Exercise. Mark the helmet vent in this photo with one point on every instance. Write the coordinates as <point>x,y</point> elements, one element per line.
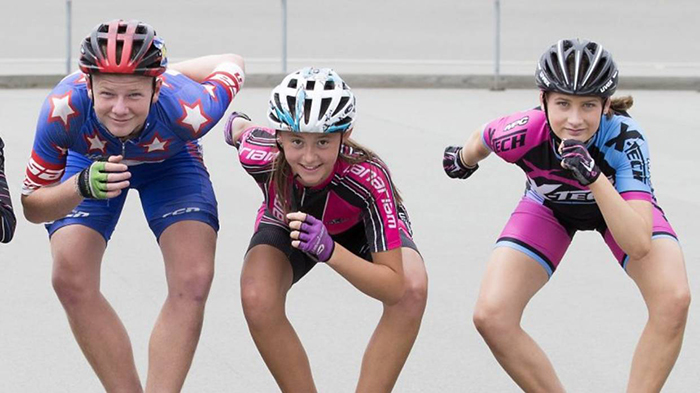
<point>310,85</point>
<point>329,85</point>
<point>341,105</point>
<point>556,69</point>
<point>325,103</point>
<point>291,104</point>
<point>292,84</point>
<point>307,109</point>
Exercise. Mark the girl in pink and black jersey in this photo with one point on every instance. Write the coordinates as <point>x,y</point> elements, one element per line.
<point>329,200</point>
<point>578,134</point>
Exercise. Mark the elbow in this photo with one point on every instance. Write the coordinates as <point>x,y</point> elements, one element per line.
<point>30,213</point>
<point>234,58</point>
<point>33,218</point>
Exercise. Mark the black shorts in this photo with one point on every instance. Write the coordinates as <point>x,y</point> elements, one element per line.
<point>354,240</point>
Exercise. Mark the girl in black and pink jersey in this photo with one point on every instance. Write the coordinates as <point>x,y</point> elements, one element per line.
<point>326,199</point>
<point>8,221</point>
<point>564,146</point>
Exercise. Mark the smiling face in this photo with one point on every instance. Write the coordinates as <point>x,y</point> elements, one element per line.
<point>574,117</point>
<point>122,102</point>
<point>311,156</point>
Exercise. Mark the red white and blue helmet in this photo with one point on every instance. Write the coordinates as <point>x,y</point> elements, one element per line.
<point>312,100</point>
<point>123,47</point>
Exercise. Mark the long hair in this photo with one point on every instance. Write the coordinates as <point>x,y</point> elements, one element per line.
<point>281,177</point>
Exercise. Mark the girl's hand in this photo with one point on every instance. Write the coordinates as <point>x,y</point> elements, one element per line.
<point>311,236</point>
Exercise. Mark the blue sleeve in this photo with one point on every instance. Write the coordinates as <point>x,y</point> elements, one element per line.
<point>191,109</point>
<point>627,152</point>
<point>60,120</point>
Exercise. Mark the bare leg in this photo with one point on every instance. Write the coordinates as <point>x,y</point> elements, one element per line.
<point>188,252</point>
<point>662,280</point>
<point>511,280</point>
<point>77,253</point>
<point>265,280</point>
<point>397,330</point>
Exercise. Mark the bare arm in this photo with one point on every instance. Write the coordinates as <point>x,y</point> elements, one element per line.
<point>51,203</point>
<point>382,279</point>
<point>199,68</point>
<point>54,202</point>
<point>235,127</point>
<point>474,149</point>
<point>630,222</point>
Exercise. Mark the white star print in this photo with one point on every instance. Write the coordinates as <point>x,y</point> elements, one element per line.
<point>62,109</point>
<point>194,117</point>
<point>96,143</point>
<point>210,90</point>
<point>156,144</point>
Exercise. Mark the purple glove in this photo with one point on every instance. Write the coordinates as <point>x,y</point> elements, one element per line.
<point>228,133</point>
<point>315,240</point>
<point>453,165</point>
<point>575,157</point>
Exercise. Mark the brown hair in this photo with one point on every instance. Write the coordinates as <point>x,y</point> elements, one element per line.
<point>281,177</point>
<point>619,104</point>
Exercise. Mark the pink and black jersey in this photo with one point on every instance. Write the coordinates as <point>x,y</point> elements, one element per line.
<point>619,148</point>
<point>185,111</point>
<point>354,194</point>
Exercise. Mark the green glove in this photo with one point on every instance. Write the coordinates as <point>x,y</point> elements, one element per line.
<point>92,181</point>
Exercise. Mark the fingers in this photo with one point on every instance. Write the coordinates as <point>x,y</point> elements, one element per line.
<point>113,186</point>
<point>295,224</point>
<point>296,216</point>
<point>115,167</point>
<point>296,235</point>
<point>115,159</point>
<point>295,243</point>
<point>118,177</point>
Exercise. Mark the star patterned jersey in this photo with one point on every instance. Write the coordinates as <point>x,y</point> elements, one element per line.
<point>185,111</point>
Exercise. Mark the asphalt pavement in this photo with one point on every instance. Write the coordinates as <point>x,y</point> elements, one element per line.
<point>587,318</point>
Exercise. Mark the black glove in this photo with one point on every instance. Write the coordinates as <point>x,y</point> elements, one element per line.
<point>576,158</point>
<point>453,165</point>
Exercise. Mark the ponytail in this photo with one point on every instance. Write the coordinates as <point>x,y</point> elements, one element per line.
<point>620,105</point>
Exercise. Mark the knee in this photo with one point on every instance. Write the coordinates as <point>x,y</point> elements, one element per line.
<point>262,306</point>
<point>192,284</point>
<point>492,321</point>
<point>671,314</point>
<point>412,304</point>
<point>71,285</point>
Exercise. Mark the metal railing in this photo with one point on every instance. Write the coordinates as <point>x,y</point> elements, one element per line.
<point>284,60</point>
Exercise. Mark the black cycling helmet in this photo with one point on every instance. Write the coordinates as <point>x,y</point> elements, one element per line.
<point>577,67</point>
<point>123,47</point>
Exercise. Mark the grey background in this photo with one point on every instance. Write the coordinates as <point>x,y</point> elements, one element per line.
<point>589,316</point>
<point>648,37</point>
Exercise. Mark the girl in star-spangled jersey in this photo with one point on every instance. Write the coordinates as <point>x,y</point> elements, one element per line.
<point>127,121</point>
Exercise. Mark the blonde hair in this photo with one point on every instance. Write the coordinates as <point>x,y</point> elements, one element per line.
<point>281,177</point>
<point>619,105</point>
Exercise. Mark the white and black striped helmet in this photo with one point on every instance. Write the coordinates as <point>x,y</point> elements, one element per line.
<point>577,67</point>
<point>312,100</point>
